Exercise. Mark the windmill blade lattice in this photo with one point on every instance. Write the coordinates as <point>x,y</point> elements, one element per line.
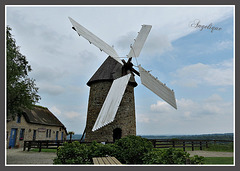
<point>103,46</point>
<point>139,41</point>
<point>157,87</point>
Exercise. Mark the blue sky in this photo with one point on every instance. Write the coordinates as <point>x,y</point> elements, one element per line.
<point>197,65</point>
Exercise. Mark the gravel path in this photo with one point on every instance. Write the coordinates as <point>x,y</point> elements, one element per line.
<point>211,153</point>
<point>20,157</point>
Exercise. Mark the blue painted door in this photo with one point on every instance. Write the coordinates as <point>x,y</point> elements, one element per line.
<point>62,136</point>
<point>13,136</point>
<point>34,135</point>
<point>56,135</point>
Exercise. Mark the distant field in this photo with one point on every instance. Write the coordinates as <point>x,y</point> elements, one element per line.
<point>226,136</point>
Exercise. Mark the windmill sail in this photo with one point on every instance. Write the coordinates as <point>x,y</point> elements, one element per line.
<point>112,102</point>
<point>140,40</point>
<point>103,46</point>
<point>157,87</point>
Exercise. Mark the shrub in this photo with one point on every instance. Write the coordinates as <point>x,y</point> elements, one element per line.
<point>101,150</point>
<point>130,149</point>
<point>76,153</point>
<point>73,153</point>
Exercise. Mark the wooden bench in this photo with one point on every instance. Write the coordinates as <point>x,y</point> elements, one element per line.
<point>106,161</point>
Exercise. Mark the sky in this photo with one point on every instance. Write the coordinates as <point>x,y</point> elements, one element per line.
<point>198,64</point>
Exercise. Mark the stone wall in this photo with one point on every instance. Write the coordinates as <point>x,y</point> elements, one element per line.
<point>41,131</point>
<point>124,119</point>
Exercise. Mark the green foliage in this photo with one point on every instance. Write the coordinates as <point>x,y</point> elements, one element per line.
<point>128,150</point>
<point>131,149</point>
<point>76,153</point>
<point>170,156</point>
<point>102,150</point>
<point>73,153</point>
<point>197,159</point>
<point>21,90</point>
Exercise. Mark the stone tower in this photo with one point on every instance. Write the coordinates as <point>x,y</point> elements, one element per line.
<point>125,122</point>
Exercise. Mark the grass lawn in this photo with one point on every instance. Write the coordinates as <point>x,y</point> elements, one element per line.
<point>218,160</point>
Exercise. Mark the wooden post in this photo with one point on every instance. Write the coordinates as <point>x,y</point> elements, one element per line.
<point>183,145</point>
<point>24,146</point>
<point>154,143</point>
<point>29,145</point>
<point>40,146</point>
<point>206,144</point>
<point>57,144</point>
<point>173,144</point>
<point>192,145</point>
<point>200,145</point>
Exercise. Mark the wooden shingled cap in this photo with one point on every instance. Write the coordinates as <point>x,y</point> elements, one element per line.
<point>109,71</point>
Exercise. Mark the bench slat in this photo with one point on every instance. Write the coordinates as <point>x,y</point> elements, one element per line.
<point>105,161</point>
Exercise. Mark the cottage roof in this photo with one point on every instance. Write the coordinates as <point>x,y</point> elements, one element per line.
<point>41,115</point>
<point>109,71</point>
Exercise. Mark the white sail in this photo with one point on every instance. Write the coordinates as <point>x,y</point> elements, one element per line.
<point>139,42</point>
<point>157,87</point>
<point>103,46</point>
<point>112,102</point>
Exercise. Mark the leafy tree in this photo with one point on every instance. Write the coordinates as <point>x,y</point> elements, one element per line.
<point>21,90</point>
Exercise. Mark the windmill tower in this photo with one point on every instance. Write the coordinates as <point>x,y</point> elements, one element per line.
<point>111,106</point>
<point>124,122</point>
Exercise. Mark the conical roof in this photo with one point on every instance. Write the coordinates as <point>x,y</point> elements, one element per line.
<point>109,71</point>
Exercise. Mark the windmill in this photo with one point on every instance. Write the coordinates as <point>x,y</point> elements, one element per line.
<point>111,108</point>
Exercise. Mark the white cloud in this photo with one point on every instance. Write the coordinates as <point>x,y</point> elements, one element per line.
<point>189,109</point>
<point>55,110</point>
<point>72,114</point>
<point>50,89</point>
<point>225,44</point>
<point>211,74</point>
<point>142,118</point>
<point>161,107</point>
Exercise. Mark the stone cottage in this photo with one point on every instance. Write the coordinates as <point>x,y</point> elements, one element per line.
<point>37,123</point>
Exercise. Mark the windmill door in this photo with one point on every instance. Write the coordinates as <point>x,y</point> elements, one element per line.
<point>13,136</point>
<point>117,134</point>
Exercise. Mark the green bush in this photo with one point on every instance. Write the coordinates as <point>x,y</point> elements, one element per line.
<point>101,150</point>
<point>76,153</point>
<point>73,153</point>
<point>130,149</point>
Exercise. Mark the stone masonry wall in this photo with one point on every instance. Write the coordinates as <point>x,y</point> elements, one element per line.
<point>124,119</point>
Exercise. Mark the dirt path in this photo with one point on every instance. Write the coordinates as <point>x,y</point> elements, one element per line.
<point>211,153</point>
<point>20,157</point>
